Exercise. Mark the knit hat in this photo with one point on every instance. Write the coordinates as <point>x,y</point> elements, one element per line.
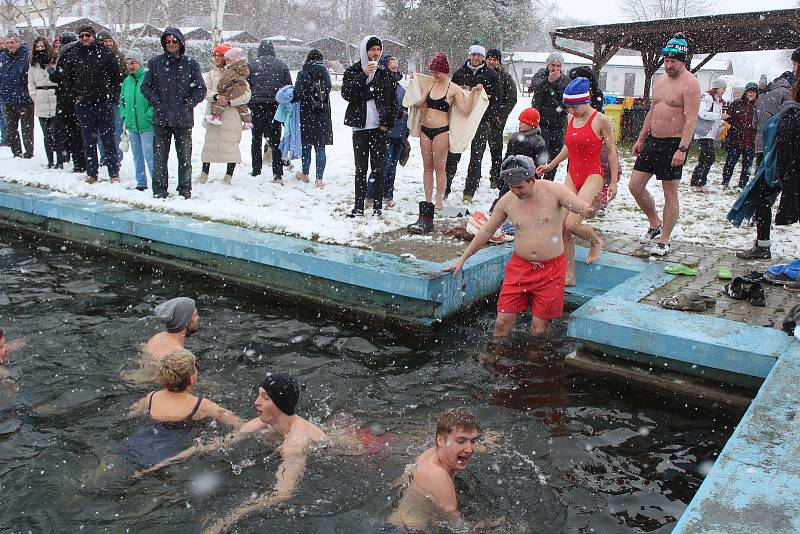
<point>719,83</point>
<point>176,313</point>
<point>220,49</point>
<point>530,116</point>
<point>373,41</point>
<point>86,29</point>
<point>752,86</point>
<point>439,63</point>
<point>763,79</point>
<point>676,48</point>
<point>313,55</point>
<point>495,53</point>
<point>67,37</point>
<point>102,35</point>
<point>477,48</point>
<point>553,57</point>
<point>517,169</point>
<point>796,55</point>
<point>134,54</point>
<point>577,92</point>
<point>233,55</point>
<point>283,390</point>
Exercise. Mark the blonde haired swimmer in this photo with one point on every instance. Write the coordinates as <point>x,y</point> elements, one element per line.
<point>172,413</point>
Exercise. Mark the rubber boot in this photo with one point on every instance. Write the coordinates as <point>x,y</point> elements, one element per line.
<point>424,224</point>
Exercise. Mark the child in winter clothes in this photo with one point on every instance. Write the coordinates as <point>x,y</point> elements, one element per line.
<point>232,85</point>
<point>528,141</point>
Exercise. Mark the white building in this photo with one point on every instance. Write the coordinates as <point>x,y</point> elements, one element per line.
<point>621,76</point>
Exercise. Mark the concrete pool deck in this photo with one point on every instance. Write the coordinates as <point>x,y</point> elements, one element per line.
<point>617,315</point>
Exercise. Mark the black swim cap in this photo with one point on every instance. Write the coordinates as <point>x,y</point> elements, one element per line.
<point>284,390</point>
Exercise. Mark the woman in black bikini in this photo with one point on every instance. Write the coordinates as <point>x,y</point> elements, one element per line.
<point>434,142</point>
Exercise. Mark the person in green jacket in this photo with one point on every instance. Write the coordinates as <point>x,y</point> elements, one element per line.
<point>137,113</point>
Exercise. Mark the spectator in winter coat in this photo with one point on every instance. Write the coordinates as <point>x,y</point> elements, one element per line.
<point>14,93</point>
<point>527,141</point>
<point>43,93</point>
<point>506,103</point>
<point>137,115</point>
<point>547,87</point>
<point>742,135</point>
<point>267,75</point>
<point>312,89</point>
<point>371,111</point>
<point>91,72</point>
<point>222,140</point>
<point>106,39</point>
<point>173,84</point>
<point>67,136</point>
<point>475,71</point>
<point>395,139</point>
<point>768,104</point>
<point>762,195</point>
<point>709,125</point>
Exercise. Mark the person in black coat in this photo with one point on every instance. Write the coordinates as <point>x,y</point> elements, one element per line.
<point>267,75</point>
<point>312,89</point>
<point>15,97</point>
<point>787,146</point>
<point>67,131</point>
<point>91,73</point>
<point>174,85</point>
<point>547,86</point>
<point>506,104</point>
<point>371,111</point>
<point>475,71</point>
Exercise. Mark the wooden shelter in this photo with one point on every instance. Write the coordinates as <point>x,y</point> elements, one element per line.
<point>712,34</point>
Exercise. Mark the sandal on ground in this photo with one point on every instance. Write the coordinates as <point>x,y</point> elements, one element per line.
<point>681,302</point>
<point>709,302</point>
<point>680,268</point>
<point>724,273</point>
<point>755,295</point>
<point>735,289</point>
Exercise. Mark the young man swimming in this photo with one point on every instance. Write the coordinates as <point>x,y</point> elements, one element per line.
<point>180,317</point>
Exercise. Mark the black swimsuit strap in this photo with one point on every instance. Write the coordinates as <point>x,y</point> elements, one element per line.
<point>150,402</point>
<point>194,410</point>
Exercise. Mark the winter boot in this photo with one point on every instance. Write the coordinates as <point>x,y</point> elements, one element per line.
<point>424,224</point>
<point>227,179</point>
<point>202,177</point>
<point>756,252</point>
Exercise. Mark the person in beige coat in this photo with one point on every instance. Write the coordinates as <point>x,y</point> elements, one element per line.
<point>43,92</point>
<point>222,141</point>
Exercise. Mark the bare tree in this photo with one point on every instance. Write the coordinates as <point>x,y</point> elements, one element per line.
<point>664,9</point>
<point>29,10</point>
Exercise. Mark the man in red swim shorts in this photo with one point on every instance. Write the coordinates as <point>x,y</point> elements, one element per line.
<point>536,272</point>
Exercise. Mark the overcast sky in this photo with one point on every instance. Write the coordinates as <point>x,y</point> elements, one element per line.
<point>747,66</point>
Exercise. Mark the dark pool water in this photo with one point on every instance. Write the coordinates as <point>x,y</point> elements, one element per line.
<point>578,453</point>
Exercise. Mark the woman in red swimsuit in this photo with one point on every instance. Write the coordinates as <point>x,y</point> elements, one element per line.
<point>586,132</point>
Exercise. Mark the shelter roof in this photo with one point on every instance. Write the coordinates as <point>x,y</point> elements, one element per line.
<point>616,61</point>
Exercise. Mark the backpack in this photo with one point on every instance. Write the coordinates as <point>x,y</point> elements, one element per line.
<point>320,99</point>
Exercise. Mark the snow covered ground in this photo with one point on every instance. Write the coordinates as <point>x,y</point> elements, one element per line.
<point>301,210</point>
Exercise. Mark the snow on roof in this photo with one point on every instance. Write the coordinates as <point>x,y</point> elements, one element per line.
<point>45,22</point>
<point>277,38</point>
<point>721,65</point>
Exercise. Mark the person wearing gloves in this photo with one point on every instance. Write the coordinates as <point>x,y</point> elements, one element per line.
<point>179,316</point>
<point>371,112</point>
<point>43,93</point>
<point>709,124</point>
<point>137,115</point>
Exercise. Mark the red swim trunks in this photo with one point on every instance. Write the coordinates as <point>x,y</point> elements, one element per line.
<point>542,281</point>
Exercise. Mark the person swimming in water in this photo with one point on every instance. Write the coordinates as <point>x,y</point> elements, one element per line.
<point>172,414</point>
<point>429,495</point>
<point>181,319</point>
<point>276,402</point>
<point>6,348</point>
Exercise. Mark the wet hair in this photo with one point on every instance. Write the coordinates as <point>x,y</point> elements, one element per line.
<point>453,418</point>
<point>175,370</point>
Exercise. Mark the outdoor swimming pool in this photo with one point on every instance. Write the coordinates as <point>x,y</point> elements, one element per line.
<point>578,453</point>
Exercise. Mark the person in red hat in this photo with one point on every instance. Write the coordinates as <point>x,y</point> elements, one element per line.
<point>527,141</point>
<point>434,141</point>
